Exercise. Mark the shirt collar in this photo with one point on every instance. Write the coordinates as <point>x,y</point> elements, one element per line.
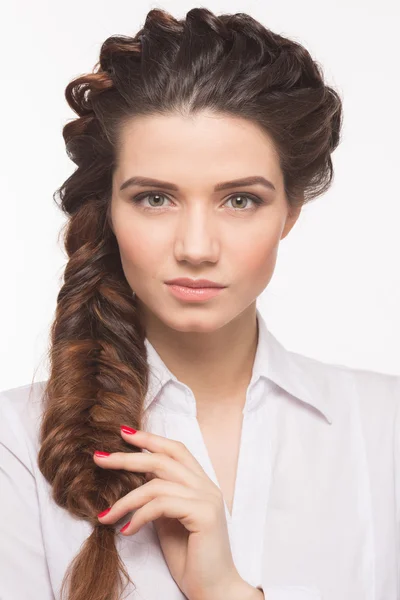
<point>288,370</point>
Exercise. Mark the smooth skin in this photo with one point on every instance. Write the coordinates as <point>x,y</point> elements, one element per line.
<point>188,513</point>
<point>198,232</point>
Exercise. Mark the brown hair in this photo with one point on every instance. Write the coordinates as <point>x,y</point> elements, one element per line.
<point>98,363</point>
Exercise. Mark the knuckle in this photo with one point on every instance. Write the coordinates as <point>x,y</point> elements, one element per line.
<point>153,485</point>
<point>181,446</point>
<point>159,501</point>
<point>161,461</point>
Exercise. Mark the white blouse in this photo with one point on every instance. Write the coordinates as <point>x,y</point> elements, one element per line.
<point>316,511</point>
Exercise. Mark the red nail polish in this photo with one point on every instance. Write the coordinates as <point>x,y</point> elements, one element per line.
<point>127,429</point>
<point>124,527</point>
<point>104,513</point>
<point>102,454</point>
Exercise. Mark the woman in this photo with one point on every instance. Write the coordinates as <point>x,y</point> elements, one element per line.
<point>242,470</point>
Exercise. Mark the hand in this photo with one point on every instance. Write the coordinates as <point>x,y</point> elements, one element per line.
<point>188,513</point>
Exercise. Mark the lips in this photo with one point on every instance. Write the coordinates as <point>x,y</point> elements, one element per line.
<point>194,283</point>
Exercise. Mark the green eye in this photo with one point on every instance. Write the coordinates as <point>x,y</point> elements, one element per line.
<point>254,199</point>
<point>145,195</point>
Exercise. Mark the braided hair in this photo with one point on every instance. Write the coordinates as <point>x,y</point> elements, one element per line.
<point>98,364</point>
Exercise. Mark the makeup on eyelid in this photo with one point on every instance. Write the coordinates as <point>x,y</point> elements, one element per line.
<point>255,199</point>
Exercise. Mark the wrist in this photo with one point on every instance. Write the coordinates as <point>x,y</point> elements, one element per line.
<point>242,590</point>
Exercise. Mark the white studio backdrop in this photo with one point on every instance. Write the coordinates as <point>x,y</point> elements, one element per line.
<point>335,293</point>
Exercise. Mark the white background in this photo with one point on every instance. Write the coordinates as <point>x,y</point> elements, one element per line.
<point>335,293</point>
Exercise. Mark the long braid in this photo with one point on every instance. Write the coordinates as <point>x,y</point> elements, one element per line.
<point>97,381</point>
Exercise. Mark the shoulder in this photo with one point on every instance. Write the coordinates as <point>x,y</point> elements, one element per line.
<point>364,380</point>
<point>21,410</point>
<point>375,395</point>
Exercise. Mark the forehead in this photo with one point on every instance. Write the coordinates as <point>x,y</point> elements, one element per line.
<point>207,144</point>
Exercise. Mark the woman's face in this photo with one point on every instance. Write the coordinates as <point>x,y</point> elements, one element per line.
<point>195,230</point>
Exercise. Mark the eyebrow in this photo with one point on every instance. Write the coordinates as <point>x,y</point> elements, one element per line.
<point>150,182</point>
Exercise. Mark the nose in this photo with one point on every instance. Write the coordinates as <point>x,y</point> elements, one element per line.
<point>196,238</point>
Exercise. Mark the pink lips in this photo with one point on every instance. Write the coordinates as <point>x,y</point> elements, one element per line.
<point>194,283</point>
<point>190,294</point>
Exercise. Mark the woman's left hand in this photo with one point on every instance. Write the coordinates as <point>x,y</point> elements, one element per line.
<point>188,513</point>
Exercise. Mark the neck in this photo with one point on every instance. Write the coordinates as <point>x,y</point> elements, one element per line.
<point>216,365</point>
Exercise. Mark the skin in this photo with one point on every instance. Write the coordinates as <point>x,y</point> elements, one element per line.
<point>210,346</point>
<point>196,232</point>
<point>188,514</point>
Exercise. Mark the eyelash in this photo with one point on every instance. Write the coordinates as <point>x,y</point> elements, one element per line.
<point>136,199</point>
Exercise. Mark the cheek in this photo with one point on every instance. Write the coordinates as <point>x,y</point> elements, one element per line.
<point>256,262</point>
<point>259,254</point>
<point>134,237</point>
<point>133,249</point>
<point>139,253</point>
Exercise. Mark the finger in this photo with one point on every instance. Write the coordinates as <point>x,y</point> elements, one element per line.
<point>195,515</point>
<point>145,493</point>
<point>160,465</point>
<point>157,443</point>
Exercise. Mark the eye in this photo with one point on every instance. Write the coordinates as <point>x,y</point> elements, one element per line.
<point>140,197</point>
<point>158,199</point>
<point>255,199</point>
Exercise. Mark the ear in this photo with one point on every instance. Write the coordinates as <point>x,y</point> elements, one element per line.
<point>292,216</point>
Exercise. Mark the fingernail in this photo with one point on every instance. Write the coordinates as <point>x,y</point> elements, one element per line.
<point>124,527</point>
<point>101,454</point>
<point>126,429</point>
<point>104,513</point>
